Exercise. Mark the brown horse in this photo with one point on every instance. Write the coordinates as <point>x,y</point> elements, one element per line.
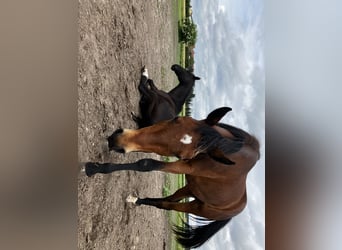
<point>215,157</point>
<point>157,105</point>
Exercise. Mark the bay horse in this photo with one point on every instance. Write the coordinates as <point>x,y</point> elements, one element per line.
<point>214,157</point>
<point>156,105</point>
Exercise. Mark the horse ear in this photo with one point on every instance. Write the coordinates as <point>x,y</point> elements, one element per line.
<point>215,116</point>
<point>197,78</point>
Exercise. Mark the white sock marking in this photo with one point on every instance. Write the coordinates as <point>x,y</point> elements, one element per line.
<point>186,139</point>
<point>131,199</point>
<point>145,72</point>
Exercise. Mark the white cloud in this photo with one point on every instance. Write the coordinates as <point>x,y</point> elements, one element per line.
<point>229,60</point>
<point>221,8</point>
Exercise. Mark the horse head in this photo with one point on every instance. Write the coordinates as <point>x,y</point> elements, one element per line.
<point>183,75</point>
<point>183,137</point>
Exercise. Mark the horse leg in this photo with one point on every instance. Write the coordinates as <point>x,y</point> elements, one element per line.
<point>143,89</point>
<point>143,165</point>
<point>145,99</point>
<point>152,86</point>
<point>161,203</point>
<point>180,194</point>
<point>195,207</point>
<point>147,165</point>
<point>145,92</point>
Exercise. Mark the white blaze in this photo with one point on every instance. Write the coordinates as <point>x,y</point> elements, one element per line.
<point>186,139</point>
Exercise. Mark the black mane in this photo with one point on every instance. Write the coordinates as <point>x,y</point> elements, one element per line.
<point>213,140</point>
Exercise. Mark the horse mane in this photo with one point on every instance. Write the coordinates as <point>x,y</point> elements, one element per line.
<point>239,133</point>
<point>211,139</point>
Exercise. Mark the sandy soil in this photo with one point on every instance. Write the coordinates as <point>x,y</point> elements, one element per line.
<point>116,38</point>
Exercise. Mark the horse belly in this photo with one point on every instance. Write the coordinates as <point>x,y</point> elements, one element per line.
<point>162,112</point>
<point>212,192</point>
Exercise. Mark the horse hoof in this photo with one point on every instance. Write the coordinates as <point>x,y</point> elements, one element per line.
<point>131,199</point>
<point>90,169</point>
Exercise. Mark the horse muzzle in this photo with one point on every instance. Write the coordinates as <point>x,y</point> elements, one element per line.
<point>113,141</point>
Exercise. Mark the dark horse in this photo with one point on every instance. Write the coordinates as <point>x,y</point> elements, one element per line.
<point>157,105</point>
<point>215,158</point>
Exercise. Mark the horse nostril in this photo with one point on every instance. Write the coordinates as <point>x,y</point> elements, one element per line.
<point>118,131</point>
<point>115,134</point>
<point>174,67</point>
<point>110,141</point>
<point>113,141</point>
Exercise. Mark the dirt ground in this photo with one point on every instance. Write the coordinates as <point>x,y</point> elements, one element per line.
<point>116,38</point>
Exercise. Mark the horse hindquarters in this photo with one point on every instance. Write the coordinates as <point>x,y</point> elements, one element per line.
<point>189,236</point>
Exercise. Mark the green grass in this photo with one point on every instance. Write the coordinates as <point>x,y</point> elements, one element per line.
<point>174,182</point>
<point>181,46</point>
<point>163,73</point>
<point>182,55</point>
<point>181,9</point>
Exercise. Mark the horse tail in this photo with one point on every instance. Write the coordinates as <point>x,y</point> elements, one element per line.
<point>193,237</point>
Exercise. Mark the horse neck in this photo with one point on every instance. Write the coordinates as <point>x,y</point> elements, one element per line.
<point>180,93</point>
<point>165,97</point>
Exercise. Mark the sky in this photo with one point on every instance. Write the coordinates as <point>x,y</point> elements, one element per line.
<point>230,61</point>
